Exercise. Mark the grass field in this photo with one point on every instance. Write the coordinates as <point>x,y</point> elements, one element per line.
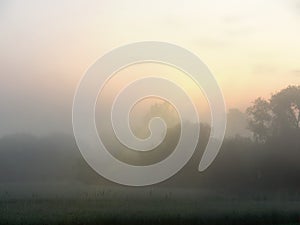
<point>146,212</point>
<point>144,206</point>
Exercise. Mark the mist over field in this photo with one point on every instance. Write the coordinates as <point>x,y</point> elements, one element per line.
<point>260,152</point>
<point>255,175</point>
<point>251,48</point>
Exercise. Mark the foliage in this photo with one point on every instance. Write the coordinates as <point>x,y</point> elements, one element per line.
<point>277,116</point>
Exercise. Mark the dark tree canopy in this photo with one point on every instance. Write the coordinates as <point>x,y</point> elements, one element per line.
<point>259,119</point>
<point>277,116</point>
<point>285,106</point>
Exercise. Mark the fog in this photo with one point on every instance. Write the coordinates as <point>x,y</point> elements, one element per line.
<point>252,49</point>
<point>265,161</point>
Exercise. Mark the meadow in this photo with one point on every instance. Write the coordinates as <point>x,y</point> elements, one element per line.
<point>91,205</point>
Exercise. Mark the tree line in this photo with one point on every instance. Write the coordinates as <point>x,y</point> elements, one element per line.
<point>269,160</point>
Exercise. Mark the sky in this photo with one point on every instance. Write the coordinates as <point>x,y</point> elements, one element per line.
<point>251,47</point>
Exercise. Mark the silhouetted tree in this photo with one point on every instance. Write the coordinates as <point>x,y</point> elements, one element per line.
<point>276,117</point>
<point>285,106</point>
<point>259,119</point>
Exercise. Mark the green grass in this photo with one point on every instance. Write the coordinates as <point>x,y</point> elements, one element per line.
<point>158,211</point>
<point>90,205</point>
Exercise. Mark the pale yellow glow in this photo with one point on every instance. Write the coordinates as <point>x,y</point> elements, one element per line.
<point>252,47</point>
<point>143,70</point>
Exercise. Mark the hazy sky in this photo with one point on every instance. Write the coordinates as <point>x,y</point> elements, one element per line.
<point>252,47</point>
